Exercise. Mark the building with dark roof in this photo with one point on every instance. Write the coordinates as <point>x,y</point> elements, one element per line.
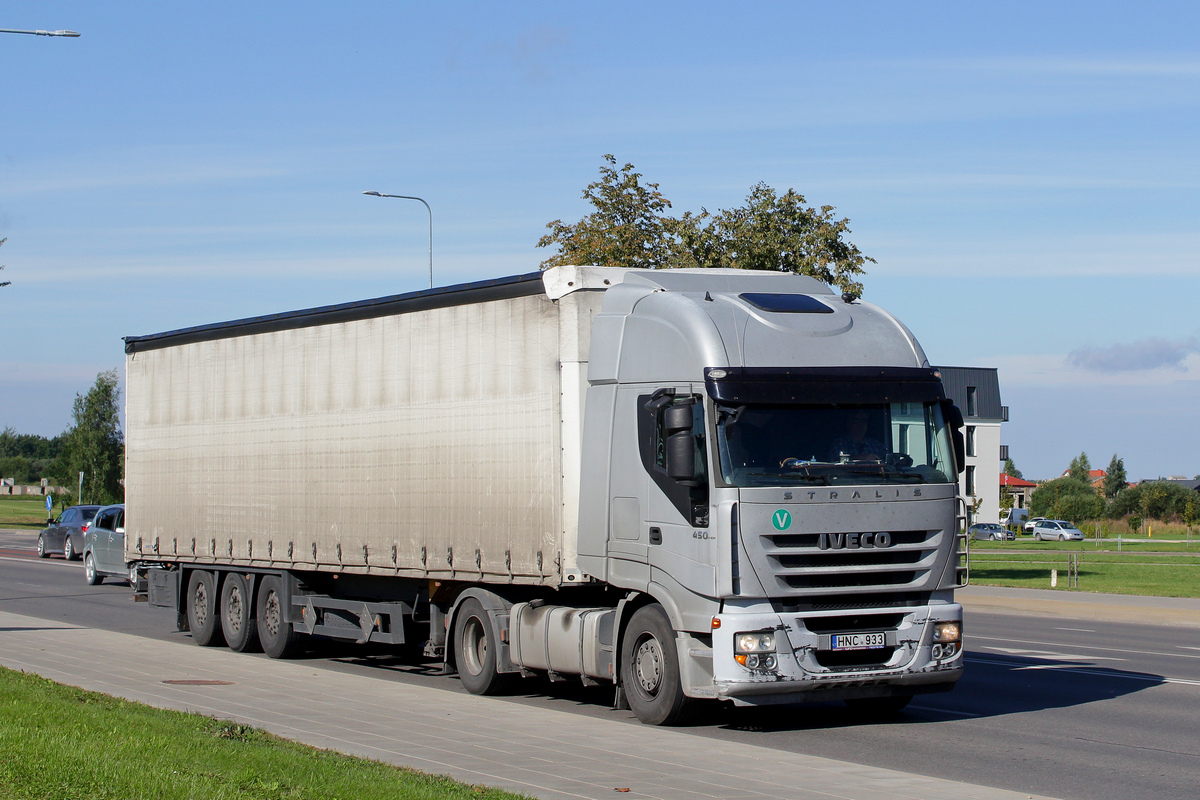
<point>976,392</point>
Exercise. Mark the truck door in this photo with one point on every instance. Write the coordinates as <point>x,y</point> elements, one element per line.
<point>673,446</point>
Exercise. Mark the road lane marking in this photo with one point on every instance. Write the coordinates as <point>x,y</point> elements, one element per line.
<point>1133,676</point>
<point>1090,647</point>
<point>1054,654</point>
<point>1080,630</point>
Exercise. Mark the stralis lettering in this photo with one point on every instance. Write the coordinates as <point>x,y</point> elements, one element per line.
<point>853,541</point>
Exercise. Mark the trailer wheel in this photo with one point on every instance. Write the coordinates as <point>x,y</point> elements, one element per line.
<point>275,633</point>
<point>202,609</point>
<point>650,669</point>
<point>475,650</point>
<point>238,621</point>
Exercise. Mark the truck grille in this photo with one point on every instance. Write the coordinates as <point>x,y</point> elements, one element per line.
<point>799,564</point>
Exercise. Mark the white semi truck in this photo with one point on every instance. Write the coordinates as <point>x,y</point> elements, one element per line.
<point>689,484</point>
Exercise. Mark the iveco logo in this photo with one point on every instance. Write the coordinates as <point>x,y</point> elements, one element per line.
<point>853,541</point>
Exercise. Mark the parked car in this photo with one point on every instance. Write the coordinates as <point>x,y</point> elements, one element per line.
<point>990,531</point>
<point>1029,526</point>
<point>1056,530</point>
<point>65,533</point>
<point>104,548</point>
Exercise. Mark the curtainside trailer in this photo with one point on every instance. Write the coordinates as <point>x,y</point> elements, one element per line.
<point>687,484</point>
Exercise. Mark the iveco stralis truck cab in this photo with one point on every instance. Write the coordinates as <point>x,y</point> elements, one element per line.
<point>781,469</point>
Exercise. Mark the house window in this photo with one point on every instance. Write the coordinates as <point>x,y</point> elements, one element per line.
<point>972,407</point>
<point>970,488</point>
<point>970,440</point>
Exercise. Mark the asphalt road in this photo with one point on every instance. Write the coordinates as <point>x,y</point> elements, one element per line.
<point>1064,708</point>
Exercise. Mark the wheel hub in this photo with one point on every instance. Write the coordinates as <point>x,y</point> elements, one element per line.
<point>648,665</point>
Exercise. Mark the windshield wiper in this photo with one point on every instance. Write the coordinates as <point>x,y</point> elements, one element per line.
<point>906,477</point>
<point>792,476</point>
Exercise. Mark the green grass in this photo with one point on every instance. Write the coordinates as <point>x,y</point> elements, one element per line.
<point>62,743</point>
<point>1141,572</point>
<point>23,511</point>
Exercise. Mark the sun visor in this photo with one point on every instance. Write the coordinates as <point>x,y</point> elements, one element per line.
<point>823,385</point>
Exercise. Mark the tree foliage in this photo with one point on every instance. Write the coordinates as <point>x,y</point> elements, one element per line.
<point>1115,480</point>
<point>1081,468</point>
<point>775,232</point>
<point>94,444</point>
<point>1011,470</point>
<point>1162,500</point>
<point>1066,498</point>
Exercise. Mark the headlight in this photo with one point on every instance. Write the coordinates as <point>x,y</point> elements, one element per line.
<point>755,642</point>
<point>755,650</point>
<point>947,631</point>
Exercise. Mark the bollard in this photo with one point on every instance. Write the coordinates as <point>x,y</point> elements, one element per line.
<point>1053,579</point>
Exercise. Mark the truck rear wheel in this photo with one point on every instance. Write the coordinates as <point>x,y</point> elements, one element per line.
<point>475,650</point>
<point>275,633</point>
<point>238,621</point>
<point>202,609</point>
<point>650,669</point>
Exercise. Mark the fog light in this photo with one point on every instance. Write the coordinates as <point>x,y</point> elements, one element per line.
<point>947,631</point>
<point>769,661</point>
<point>752,661</point>
<point>936,652</point>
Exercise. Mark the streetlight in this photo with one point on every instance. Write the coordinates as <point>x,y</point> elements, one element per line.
<point>428,209</point>
<point>69,34</point>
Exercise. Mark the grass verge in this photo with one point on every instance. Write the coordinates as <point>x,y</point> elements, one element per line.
<point>62,743</point>
<point>23,511</point>
<point>1144,573</point>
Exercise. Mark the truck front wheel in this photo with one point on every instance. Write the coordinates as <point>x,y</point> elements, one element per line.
<point>238,621</point>
<point>202,609</point>
<point>277,636</point>
<point>650,669</point>
<point>475,650</point>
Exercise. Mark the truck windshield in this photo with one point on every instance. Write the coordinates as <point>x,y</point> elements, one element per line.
<point>891,443</point>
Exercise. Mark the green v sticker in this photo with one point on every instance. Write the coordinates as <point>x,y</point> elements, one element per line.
<point>781,519</point>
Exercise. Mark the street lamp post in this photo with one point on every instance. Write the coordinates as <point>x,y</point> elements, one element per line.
<point>429,210</point>
<point>69,34</point>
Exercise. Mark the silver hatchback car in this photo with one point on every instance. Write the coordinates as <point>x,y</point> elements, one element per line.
<point>1056,530</point>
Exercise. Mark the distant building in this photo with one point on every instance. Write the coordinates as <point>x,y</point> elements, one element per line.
<point>976,392</point>
<point>1095,478</point>
<point>1018,488</point>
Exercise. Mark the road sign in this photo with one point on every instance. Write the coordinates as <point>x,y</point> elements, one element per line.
<point>49,503</point>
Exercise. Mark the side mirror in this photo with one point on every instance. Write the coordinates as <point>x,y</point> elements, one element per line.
<point>954,419</point>
<point>681,444</point>
<point>681,457</point>
<point>120,531</point>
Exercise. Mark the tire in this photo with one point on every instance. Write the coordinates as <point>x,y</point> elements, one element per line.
<point>92,577</point>
<point>1062,537</point>
<point>238,621</point>
<point>880,706</point>
<point>650,669</point>
<point>475,650</point>
<point>68,549</point>
<point>202,609</point>
<point>41,547</point>
<point>276,635</point>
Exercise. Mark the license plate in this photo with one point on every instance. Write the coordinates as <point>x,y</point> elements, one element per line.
<point>857,641</point>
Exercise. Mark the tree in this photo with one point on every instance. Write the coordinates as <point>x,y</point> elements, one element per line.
<point>94,444</point>
<point>774,232</point>
<point>1011,470</point>
<point>1066,498</point>
<point>1116,479</point>
<point>1081,468</point>
<point>625,230</point>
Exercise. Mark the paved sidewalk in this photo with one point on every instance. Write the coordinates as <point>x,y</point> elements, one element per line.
<point>1081,605</point>
<point>542,753</point>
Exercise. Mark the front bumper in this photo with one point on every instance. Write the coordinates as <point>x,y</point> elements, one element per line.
<point>809,670</point>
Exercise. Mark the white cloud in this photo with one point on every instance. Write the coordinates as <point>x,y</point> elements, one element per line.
<point>1057,370</point>
<point>1144,355</point>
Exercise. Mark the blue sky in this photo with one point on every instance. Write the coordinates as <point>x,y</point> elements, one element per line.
<point>1026,175</point>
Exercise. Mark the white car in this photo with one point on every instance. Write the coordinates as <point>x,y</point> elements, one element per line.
<point>1056,530</point>
<point>1029,525</point>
